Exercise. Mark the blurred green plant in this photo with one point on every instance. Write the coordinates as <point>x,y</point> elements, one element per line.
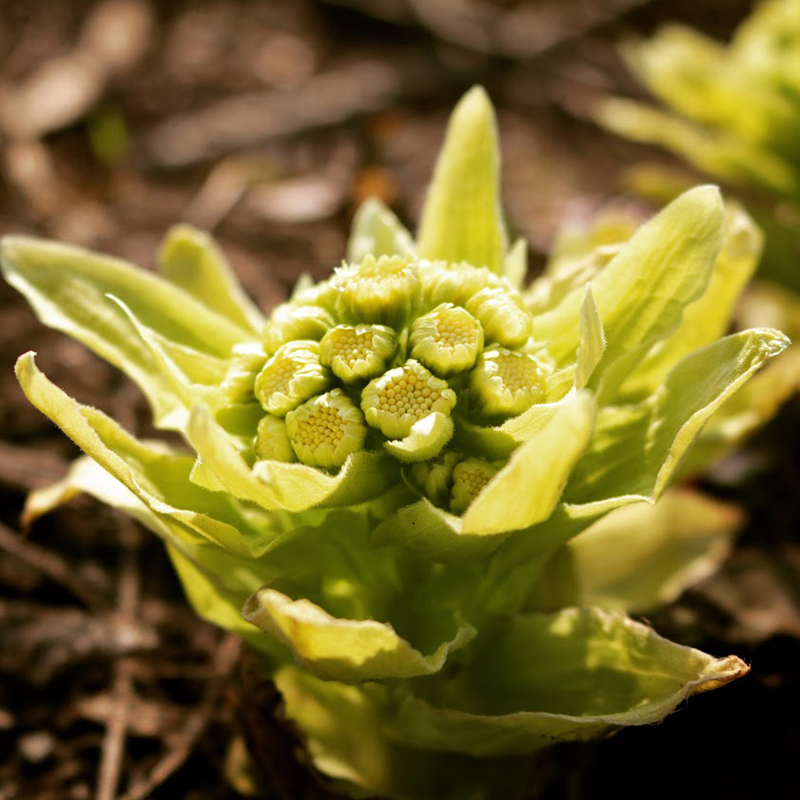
<point>734,114</point>
<point>399,483</point>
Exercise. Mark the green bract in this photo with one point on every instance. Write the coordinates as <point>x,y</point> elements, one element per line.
<point>388,478</point>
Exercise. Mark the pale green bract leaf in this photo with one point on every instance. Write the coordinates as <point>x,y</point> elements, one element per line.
<point>462,220</point>
<point>500,441</point>
<point>190,258</point>
<point>636,449</point>
<point>695,75</point>
<point>377,231</point>
<point>516,265</point>
<point>68,288</point>
<point>426,439</point>
<point>345,649</point>
<point>527,488</point>
<point>525,491</point>
<point>591,340</point>
<point>551,694</point>
<point>642,556</point>
<point>276,485</point>
<point>642,292</point>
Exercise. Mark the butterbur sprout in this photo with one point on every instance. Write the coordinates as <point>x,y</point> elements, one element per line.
<point>387,482</point>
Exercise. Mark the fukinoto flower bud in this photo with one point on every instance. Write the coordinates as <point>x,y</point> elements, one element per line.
<point>290,322</point>
<point>502,314</point>
<point>357,352</point>
<point>272,441</point>
<point>291,376</point>
<point>505,382</point>
<point>447,340</point>
<point>403,396</point>
<point>434,478</point>
<point>447,282</point>
<point>383,291</point>
<point>469,477</point>
<point>327,429</point>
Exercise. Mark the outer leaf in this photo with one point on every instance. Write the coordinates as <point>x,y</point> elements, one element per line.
<point>276,485</point>
<point>345,649</point>
<point>68,289</point>
<point>578,674</point>
<point>157,475</point>
<point>190,258</point>
<point>462,220</point>
<point>377,231</point>
<point>364,763</point>
<point>745,412</point>
<point>636,449</point>
<point>642,292</point>
<point>707,318</point>
<point>215,581</point>
<point>641,556</point>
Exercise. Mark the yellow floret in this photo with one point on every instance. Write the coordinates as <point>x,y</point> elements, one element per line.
<point>403,396</point>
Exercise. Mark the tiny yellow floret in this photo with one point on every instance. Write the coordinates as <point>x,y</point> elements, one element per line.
<point>469,478</point>
<point>447,340</point>
<point>401,397</point>
<point>290,377</point>
<point>272,441</point>
<point>357,352</point>
<point>384,291</point>
<point>325,430</point>
<point>506,382</point>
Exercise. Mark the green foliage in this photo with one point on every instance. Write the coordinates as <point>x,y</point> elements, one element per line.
<point>734,113</point>
<point>402,534</point>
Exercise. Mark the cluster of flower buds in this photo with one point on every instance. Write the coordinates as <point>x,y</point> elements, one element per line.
<point>392,353</point>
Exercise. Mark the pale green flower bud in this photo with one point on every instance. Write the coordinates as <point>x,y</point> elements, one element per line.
<point>469,477</point>
<point>403,396</point>
<point>357,352</point>
<point>444,282</point>
<point>290,377</point>
<point>290,322</point>
<point>325,430</point>
<point>506,382</point>
<point>502,314</point>
<point>385,291</point>
<point>272,441</point>
<point>247,360</point>
<point>434,478</point>
<point>447,341</point>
